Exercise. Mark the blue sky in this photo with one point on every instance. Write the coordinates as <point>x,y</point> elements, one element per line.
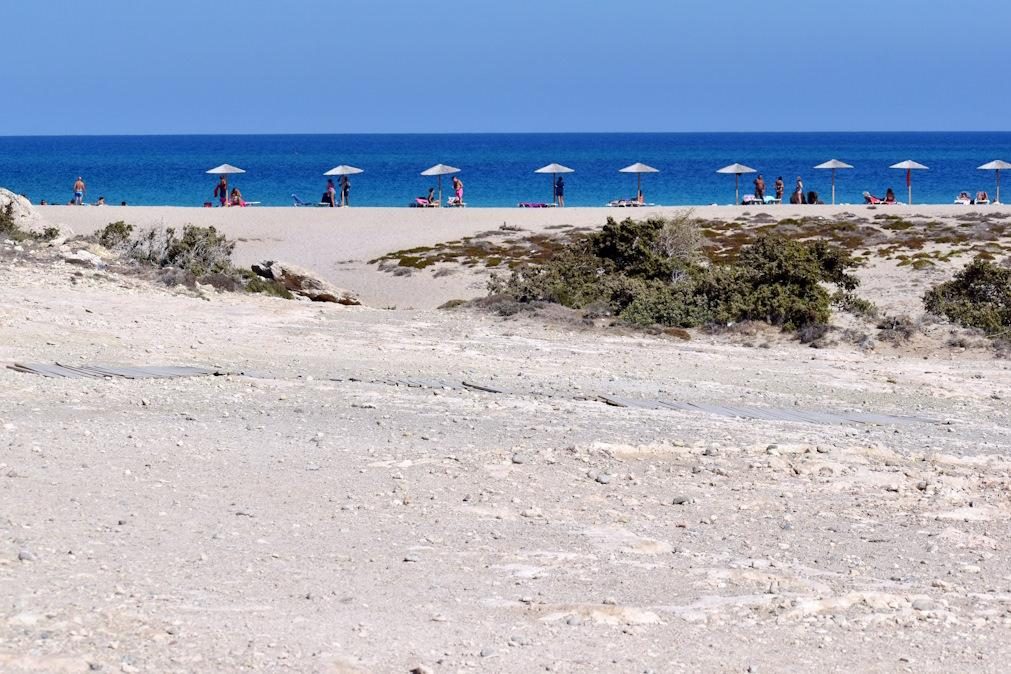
<point>326,66</point>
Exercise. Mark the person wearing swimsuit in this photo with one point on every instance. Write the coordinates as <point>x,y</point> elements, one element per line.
<point>221,191</point>
<point>79,190</point>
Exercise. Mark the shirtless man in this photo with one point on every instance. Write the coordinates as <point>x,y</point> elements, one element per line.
<point>79,190</point>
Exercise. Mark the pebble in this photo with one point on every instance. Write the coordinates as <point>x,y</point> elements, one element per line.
<point>487,652</point>
<point>574,620</point>
<point>519,459</point>
<point>603,478</point>
<point>422,669</point>
<point>26,556</point>
<point>411,558</point>
<point>924,605</point>
<point>680,500</point>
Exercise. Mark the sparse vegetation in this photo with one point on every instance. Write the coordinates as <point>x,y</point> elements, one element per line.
<point>897,329</point>
<point>115,234</point>
<point>979,296</point>
<point>651,273</point>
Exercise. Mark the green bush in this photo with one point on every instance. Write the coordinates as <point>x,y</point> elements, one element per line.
<point>649,273</point>
<point>979,296</point>
<point>115,234</point>
<point>8,228</point>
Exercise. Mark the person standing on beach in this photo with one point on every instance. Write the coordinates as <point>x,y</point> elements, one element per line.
<point>345,191</point>
<point>560,192</point>
<point>760,187</point>
<point>221,190</point>
<point>780,188</point>
<point>798,193</point>
<point>330,196</point>
<point>79,190</point>
<point>458,188</point>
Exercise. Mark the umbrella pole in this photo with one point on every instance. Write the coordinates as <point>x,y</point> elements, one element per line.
<point>833,187</point>
<point>639,190</point>
<point>998,186</point>
<point>737,188</point>
<point>440,190</point>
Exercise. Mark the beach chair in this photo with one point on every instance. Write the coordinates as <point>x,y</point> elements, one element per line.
<point>304,204</point>
<point>871,199</point>
<point>455,202</point>
<point>422,202</point>
<point>773,200</point>
<point>535,204</point>
<point>982,199</point>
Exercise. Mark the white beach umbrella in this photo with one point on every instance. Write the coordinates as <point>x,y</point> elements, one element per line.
<point>225,170</point>
<point>554,170</point>
<point>440,170</point>
<point>343,170</point>
<point>909,165</point>
<point>997,166</point>
<point>639,168</point>
<point>737,170</point>
<point>833,164</point>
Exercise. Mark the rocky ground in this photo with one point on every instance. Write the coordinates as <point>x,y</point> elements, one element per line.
<point>314,515</point>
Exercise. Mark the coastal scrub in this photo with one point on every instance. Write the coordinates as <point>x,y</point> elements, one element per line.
<point>651,272</point>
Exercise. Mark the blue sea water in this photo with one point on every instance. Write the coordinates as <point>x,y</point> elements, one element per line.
<point>497,169</point>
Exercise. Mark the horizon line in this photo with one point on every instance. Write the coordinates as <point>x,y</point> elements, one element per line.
<point>485,133</point>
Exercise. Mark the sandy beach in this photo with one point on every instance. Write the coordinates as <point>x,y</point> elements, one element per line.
<point>338,243</point>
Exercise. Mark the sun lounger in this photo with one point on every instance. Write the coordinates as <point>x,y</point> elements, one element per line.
<point>455,202</point>
<point>963,198</point>
<point>533,204</point>
<point>422,202</point>
<point>871,199</point>
<point>627,203</point>
<point>303,204</point>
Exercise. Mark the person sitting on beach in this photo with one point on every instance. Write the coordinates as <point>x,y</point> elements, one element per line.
<point>221,191</point>
<point>760,188</point>
<point>780,188</point>
<point>236,198</point>
<point>639,199</point>
<point>43,203</point>
<point>889,196</point>
<point>431,197</point>
<point>812,198</point>
<point>330,196</point>
<point>100,202</point>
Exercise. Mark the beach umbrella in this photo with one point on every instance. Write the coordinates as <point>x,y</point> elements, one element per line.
<point>554,170</point>
<point>343,170</point>
<point>833,164</point>
<point>225,170</point>
<point>440,170</point>
<point>737,170</point>
<point>638,168</point>
<point>997,166</point>
<point>909,165</point>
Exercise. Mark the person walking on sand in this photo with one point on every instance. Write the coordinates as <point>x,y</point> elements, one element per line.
<point>458,188</point>
<point>560,192</point>
<point>760,188</point>
<point>345,184</point>
<point>79,190</point>
<point>221,191</point>
<point>780,188</point>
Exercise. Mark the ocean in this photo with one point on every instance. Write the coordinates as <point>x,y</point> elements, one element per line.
<point>497,169</point>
